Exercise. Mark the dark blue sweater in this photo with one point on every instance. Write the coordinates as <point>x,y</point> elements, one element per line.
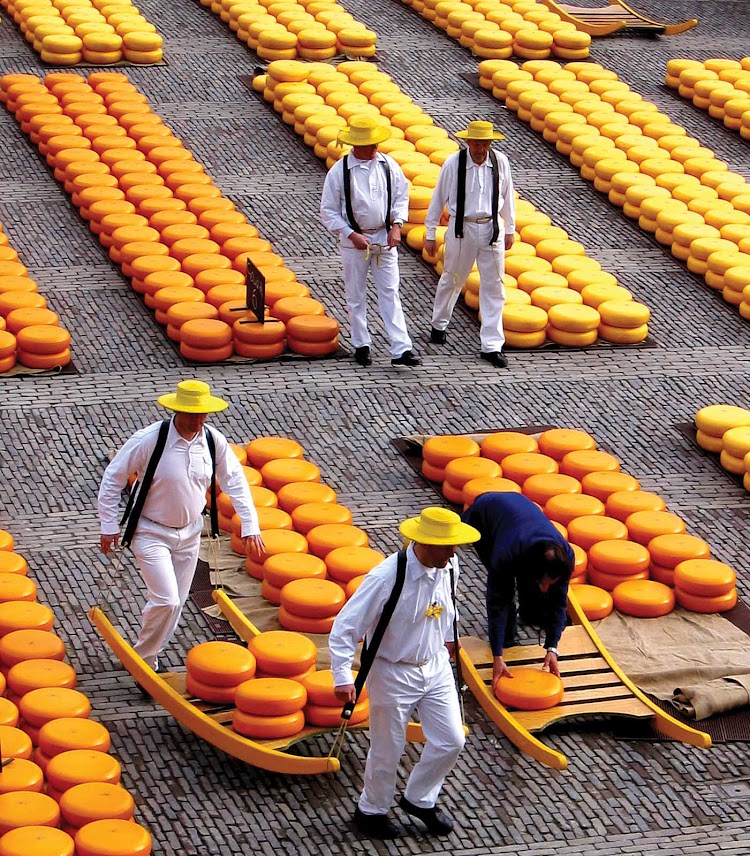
<point>510,524</point>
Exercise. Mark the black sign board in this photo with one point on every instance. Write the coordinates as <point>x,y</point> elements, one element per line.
<point>256,294</point>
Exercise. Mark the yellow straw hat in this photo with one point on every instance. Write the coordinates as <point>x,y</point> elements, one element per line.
<point>480,131</point>
<point>438,526</point>
<point>192,396</point>
<point>362,131</point>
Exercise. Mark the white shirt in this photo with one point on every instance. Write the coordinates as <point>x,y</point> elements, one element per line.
<point>478,193</point>
<point>369,195</point>
<point>411,636</point>
<point>177,495</point>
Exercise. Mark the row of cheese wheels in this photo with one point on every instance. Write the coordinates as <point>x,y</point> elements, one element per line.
<point>286,29</point>
<point>553,290</point>
<point>30,332</point>
<point>273,684</point>
<point>676,188</point>
<point>724,429</point>
<point>100,32</point>
<point>495,30</point>
<point>182,244</point>
<point>720,86</point>
<point>62,793</point>
<point>618,532</point>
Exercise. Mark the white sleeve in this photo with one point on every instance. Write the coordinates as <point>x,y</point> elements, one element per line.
<point>232,481</point>
<point>331,201</point>
<point>400,192</point>
<point>133,457</point>
<point>439,199</point>
<point>508,208</point>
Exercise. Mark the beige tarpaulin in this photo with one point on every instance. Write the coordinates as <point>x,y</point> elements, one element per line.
<point>700,663</point>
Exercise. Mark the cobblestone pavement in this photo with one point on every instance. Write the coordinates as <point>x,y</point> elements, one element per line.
<point>618,796</point>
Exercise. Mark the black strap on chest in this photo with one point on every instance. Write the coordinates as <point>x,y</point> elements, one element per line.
<point>214,513</point>
<point>456,641</point>
<point>461,194</point>
<point>370,649</point>
<point>348,195</point>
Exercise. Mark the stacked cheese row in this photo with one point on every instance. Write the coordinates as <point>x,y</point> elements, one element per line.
<point>725,430</point>
<point>676,189</point>
<point>495,30</point>
<point>287,29</point>
<point>554,290</point>
<point>100,32</point>
<point>179,240</point>
<point>62,791</point>
<point>619,533</point>
<point>719,86</point>
<point>30,332</point>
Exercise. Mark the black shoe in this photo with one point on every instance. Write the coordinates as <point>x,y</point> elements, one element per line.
<point>406,359</point>
<point>495,358</point>
<point>375,825</point>
<point>438,337</point>
<point>362,356</point>
<point>436,821</point>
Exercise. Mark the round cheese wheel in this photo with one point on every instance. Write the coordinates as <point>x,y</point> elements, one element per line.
<point>716,419</point>
<point>26,808</point>
<point>670,550</point>
<point>330,717</point>
<point>566,507</point>
<point>704,578</point>
<point>643,526</point>
<point>209,692</point>
<point>304,624</point>
<point>23,645</point>
<point>461,470</point>
<point>581,462</point>
<point>346,563</point>
<point>643,598</point>
<point>220,664</point>
<point>268,727</point>
<point>283,653</point>
<point>557,442</point>
<point>529,689</point>
<point>499,445</point>
<point>589,529</point>
<point>312,598</point>
<point>476,487</point>
<point>92,801</point>
<point>270,697</point>
<point>518,467</point>
<point>603,484</point>
<point>542,487</point>
<point>595,602</point>
<point>22,775</point>
<point>697,603</point>
<point>610,581</point>
<point>15,742</point>
<point>619,557</point>
<point>282,568</point>
<point>24,615</point>
<point>291,495</point>
<point>439,451</point>
<point>81,765</point>
<point>322,539</point>
<point>621,504</point>
<point>100,835</point>
<point>61,735</point>
<point>282,541</point>
<point>277,473</point>
<point>320,689</point>
<point>33,674</point>
<point>433,473</point>
<point>41,705</point>
<point>311,514</point>
<point>16,587</point>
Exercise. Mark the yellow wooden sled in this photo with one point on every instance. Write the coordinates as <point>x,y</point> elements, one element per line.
<point>617,16</point>
<point>594,686</point>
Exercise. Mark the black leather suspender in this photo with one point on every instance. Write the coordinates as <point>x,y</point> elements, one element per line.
<point>461,194</point>
<point>348,195</point>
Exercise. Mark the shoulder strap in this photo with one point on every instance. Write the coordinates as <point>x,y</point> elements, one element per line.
<point>370,650</point>
<point>388,194</point>
<point>461,193</point>
<point>140,491</point>
<point>456,641</point>
<point>214,509</point>
<point>495,196</point>
<point>348,196</point>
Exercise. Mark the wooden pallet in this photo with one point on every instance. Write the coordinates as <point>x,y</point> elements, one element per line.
<point>617,16</point>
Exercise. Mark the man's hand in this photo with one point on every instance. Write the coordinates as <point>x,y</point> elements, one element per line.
<point>430,247</point>
<point>509,239</point>
<point>550,662</point>
<point>499,670</point>
<point>107,542</point>
<point>394,236</point>
<point>346,693</point>
<point>359,241</point>
<point>254,546</point>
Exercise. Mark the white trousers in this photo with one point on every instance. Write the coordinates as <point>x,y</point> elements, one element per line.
<point>396,691</point>
<point>460,255</point>
<point>166,559</point>
<point>382,263</point>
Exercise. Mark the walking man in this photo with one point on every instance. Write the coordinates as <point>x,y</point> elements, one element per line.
<point>411,670</point>
<point>166,522</point>
<point>365,202</point>
<point>476,186</point>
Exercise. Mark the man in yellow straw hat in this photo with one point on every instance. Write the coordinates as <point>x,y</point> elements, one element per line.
<point>365,202</point>
<point>411,669</point>
<point>475,185</point>
<point>175,461</point>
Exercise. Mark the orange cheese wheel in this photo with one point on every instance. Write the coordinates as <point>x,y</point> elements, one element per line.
<point>292,495</point>
<point>268,333</point>
<point>312,598</point>
<point>660,574</point>
<point>26,808</point>
<point>283,471</point>
<point>320,689</point>
<point>595,602</point>
<point>622,504</point>
<point>263,497</point>
<point>270,697</point>
<point>208,692</point>
<point>330,717</point>
<point>282,653</point>
<point>34,674</point>
<point>12,563</point>
<point>643,526</point>
<point>610,581</point>
<point>16,587</point>
<point>696,603</point>
<point>643,598</point>
<point>37,840</point>
<point>302,624</point>
<point>499,445</point>
<point>43,361</point>
<point>439,451</point>
<point>619,557</point>
<point>542,487</point>
<point>220,664</point>
<point>346,563</point>
<point>259,352</point>
<point>313,328</point>
<point>23,645</point>
<point>557,442</point>
<point>433,473</point>
<point>6,541</point>
<point>65,733</point>
<point>670,550</point>
<point>21,775</point>
<point>580,561</point>
<point>206,355</point>
<point>289,307</point>
<point>282,568</point>
<point>603,484</point>
<point>282,541</point>
<point>46,703</point>
<point>461,470</point>
<point>520,466</point>
<point>81,765</point>
<point>269,727</point>
<point>271,593</point>
<point>566,507</point>
<point>476,487</point>
<point>529,689</point>
<point>206,333</point>
<point>591,528</point>
<point>97,837</point>
<point>322,539</point>
<point>43,339</point>
<point>704,578</point>
<point>15,742</point>
<point>311,514</point>
<point>268,518</point>
<point>579,463</point>
<point>9,713</point>
<point>92,801</point>
<point>353,585</point>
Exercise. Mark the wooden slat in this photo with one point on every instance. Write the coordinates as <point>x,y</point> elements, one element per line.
<point>582,695</point>
<point>538,720</point>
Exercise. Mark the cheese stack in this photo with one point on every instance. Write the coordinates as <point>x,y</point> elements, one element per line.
<point>612,562</point>
<point>713,421</point>
<point>668,551</point>
<point>323,709</point>
<point>283,568</point>
<point>348,566</point>
<point>459,471</point>
<point>269,708</point>
<point>705,585</point>
<point>283,654</point>
<point>312,335</point>
<point>310,605</point>
<point>216,669</point>
<point>438,452</point>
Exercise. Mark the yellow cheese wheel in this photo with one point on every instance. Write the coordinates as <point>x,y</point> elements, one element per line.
<point>347,563</point>
<point>581,462</point>
<point>461,470</point>
<point>15,742</point>
<point>595,602</point>
<point>24,615</point>
<point>282,568</point>
<point>518,467</point>
<point>503,443</point>
<point>709,443</point>
<point>643,526</point>
<point>311,514</point>
<point>303,624</point>
<point>209,692</point>
<point>65,733</point>
<point>623,335</point>
<point>270,697</point>
<point>282,541</point>
<point>590,529</point>
<point>619,557</point>
<point>92,801</point>
<point>278,473</point>
<point>43,339</point>
<point>439,451</point>
<point>81,765</point>
<point>322,539</point>
<point>46,703</point>
<point>220,664</point>
<point>6,541</point>
<point>268,726</point>
<point>557,442</point>
<point>432,473</point>
<point>282,653</point>
<point>94,838</point>
<point>9,713</point>
<point>330,717</point>
<point>264,449</point>
<point>22,775</point>
<point>271,593</point>
<point>542,487</point>
<point>621,504</point>
<point>476,487</point>
<point>566,507</point>
<point>26,808</point>
<point>670,550</point>
<point>12,563</point>
<point>320,689</point>
<point>603,484</point>
<point>609,582</point>
<point>312,598</point>
<point>23,645</point>
<point>268,518</point>
<point>643,598</point>
<point>529,689</point>
<point>16,587</point>
<point>32,674</point>
<point>704,577</point>
<point>716,419</point>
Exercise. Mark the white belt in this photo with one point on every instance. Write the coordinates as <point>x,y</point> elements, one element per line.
<point>478,219</point>
<point>165,525</point>
<point>410,662</point>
